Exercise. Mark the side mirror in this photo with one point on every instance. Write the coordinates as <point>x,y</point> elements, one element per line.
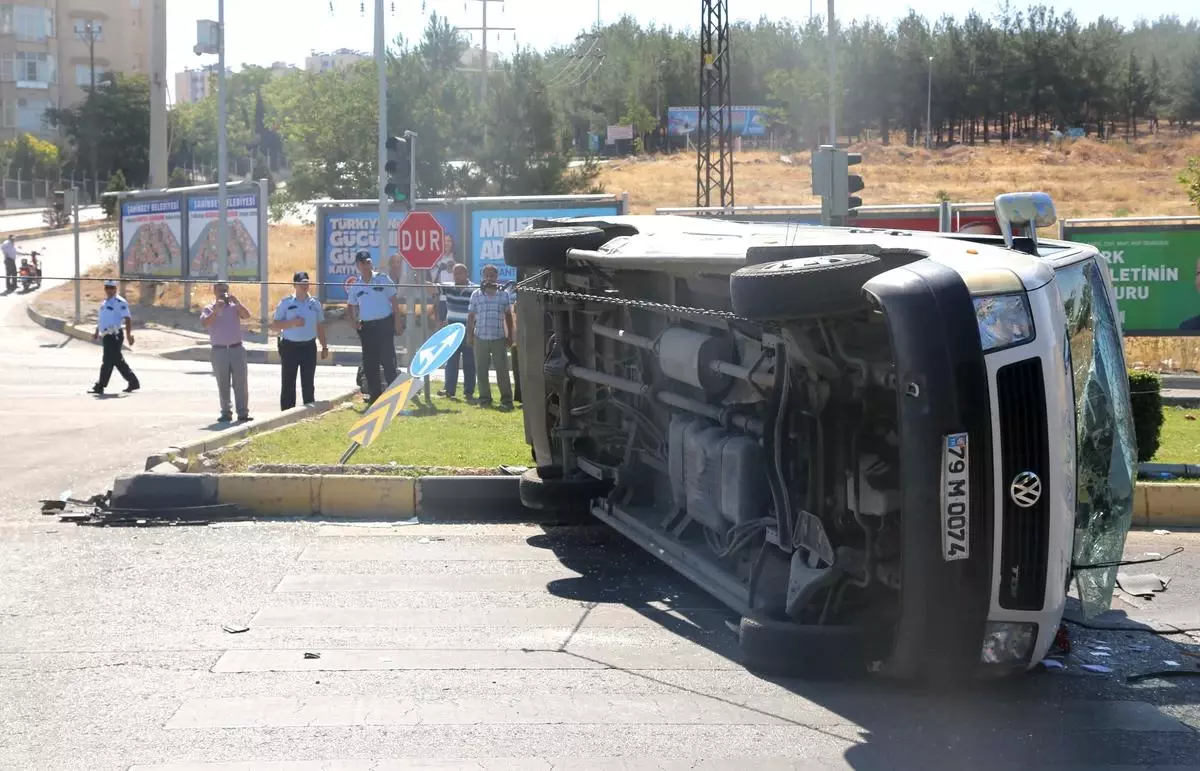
<point>1024,210</point>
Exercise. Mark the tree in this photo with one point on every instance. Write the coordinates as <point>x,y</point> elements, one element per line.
<point>1137,95</point>
<point>117,117</point>
<point>522,155</point>
<point>28,157</point>
<point>1190,179</point>
<point>643,122</point>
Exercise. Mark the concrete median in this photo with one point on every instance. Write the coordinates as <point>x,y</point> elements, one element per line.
<point>456,498</point>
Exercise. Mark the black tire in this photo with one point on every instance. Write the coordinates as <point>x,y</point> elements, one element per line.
<point>807,651</point>
<point>545,489</point>
<point>802,287</point>
<point>546,248</point>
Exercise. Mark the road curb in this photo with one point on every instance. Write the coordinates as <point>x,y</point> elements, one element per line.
<point>270,356</point>
<point>188,455</point>
<point>334,496</point>
<point>58,325</point>
<point>1166,504</point>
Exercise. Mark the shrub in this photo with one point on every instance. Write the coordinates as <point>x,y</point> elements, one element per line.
<point>1145,397</point>
<point>116,183</point>
<point>179,178</point>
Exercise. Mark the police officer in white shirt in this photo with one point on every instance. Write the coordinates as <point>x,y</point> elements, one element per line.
<point>300,321</point>
<point>374,309</point>
<point>114,325</point>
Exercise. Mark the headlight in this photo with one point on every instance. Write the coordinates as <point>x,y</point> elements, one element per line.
<point>1006,642</point>
<point>1004,320</point>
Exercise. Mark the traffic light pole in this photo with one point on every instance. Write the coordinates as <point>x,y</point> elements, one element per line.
<point>381,67</point>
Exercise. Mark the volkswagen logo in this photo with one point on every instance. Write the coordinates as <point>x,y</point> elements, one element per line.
<point>1026,489</point>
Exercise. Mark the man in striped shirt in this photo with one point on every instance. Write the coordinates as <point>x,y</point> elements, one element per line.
<point>457,299</point>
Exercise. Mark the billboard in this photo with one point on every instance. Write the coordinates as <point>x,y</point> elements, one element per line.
<point>1155,273</point>
<point>244,218</point>
<point>152,237</point>
<point>745,121</point>
<point>490,226</point>
<point>341,233</point>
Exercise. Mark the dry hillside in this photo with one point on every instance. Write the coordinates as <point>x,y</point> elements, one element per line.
<point>1085,177</point>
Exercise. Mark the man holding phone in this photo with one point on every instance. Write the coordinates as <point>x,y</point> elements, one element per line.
<point>223,320</point>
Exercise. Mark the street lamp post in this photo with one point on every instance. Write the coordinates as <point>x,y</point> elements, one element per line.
<point>89,34</point>
<point>381,150</point>
<point>222,159</point>
<point>929,108</point>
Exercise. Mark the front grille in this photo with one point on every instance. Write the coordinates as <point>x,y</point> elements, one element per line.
<point>1024,447</point>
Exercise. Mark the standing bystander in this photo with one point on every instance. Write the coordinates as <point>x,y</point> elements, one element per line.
<point>374,310</point>
<point>300,321</point>
<point>457,298</point>
<point>223,319</point>
<point>9,247</point>
<point>114,324</point>
<point>490,333</point>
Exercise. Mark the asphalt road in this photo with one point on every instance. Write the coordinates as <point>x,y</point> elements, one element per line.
<point>59,437</point>
<point>29,219</point>
<point>352,648</point>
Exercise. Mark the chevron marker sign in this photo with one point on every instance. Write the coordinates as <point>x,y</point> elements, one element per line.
<point>389,404</point>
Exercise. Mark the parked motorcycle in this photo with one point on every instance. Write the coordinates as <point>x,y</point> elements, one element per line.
<point>30,273</point>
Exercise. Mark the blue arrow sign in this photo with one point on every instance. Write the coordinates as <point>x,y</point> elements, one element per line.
<point>437,350</point>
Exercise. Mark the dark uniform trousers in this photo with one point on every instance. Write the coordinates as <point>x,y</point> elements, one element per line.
<point>297,357</point>
<point>114,358</point>
<point>378,349</point>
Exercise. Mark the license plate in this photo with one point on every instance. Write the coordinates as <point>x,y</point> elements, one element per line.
<point>956,498</point>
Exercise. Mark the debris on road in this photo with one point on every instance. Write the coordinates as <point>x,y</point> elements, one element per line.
<point>1144,586</point>
<point>312,655</point>
<point>1097,668</point>
<point>98,511</point>
<point>235,628</point>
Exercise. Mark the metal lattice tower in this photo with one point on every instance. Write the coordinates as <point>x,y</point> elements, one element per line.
<point>714,134</point>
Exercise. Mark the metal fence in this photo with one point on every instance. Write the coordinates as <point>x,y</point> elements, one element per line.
<point>24,192</point>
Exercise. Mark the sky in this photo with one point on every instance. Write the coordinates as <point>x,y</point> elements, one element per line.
<point>265,31</point>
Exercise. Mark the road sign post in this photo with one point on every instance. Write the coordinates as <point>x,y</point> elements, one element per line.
<point>430,357</point>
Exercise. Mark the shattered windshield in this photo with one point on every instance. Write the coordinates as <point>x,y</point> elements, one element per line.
<point>1105,438</point>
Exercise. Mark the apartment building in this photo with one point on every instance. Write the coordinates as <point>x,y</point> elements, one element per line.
<point>192,85</point>
<point>46,51</point>
<point>322,62</point>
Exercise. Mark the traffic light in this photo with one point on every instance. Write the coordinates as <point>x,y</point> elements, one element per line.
<point>833,182</point>
<point>854,183</point>
<point>399,185</point>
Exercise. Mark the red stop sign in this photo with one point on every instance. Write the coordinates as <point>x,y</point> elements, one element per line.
<point>420,240</point>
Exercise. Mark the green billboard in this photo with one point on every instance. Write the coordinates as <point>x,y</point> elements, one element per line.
<point>1155,273</point>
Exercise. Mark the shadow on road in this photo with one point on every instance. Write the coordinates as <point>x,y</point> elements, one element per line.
<point>1043,719</point>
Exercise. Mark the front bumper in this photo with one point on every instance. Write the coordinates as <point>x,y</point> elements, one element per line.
<point>943,390</point>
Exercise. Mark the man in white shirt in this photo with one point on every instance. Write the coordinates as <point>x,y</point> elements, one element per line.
<point>114,324</point>
<point>9,248</point>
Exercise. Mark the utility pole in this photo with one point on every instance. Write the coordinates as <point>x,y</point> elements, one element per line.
<point>90,32</point>
<point>929,108</point>
<point>158,94</point>
<point>832,77</point>
<point>381,74</point>
<point>222,152</point>
<point>485,29</point>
